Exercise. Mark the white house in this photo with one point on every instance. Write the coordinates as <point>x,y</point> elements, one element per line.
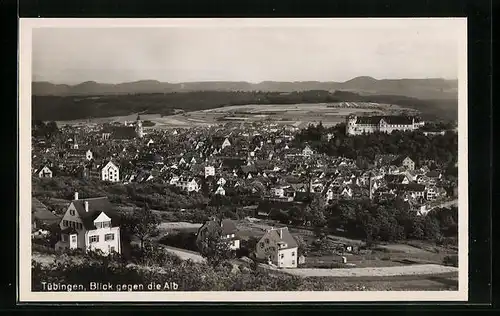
<point>90,224</point>
<point>431,193</point>
<point>279,191</point>
<point>220,191</point>
<point>186,184</point>
<point>110,172</point>
<point>226,143</point>
<point>89,155</point>
<point>174,180</point>
<point>307,151</point>
<point>278,247</point>
<point>44,172</point>
<point>209,171</point>
<point>228,232</point>
<point>221,181</point>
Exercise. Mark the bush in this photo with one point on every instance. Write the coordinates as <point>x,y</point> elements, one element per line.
<point>188,275</point>
<point>451,261</point>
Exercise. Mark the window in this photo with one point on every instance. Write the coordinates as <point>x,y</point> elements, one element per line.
<point>293,261</point>
<point>94,239</point>
<point>106,224</point>
<point>65,223</point>
<point>64,237</point>
<point>293,254</point>
<point>73,238</point>
<point>72,212</point>
<point>112,249</point>
<point>108,237</point>
<point>267,240</point>
<point>261,245</point>
<point>282,256</point>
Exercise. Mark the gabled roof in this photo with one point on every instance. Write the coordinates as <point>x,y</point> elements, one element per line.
<point>432,174</point>
<point>228,227</point>
<point>96,206</point>
<point>286,237</point>
<point>394,178</point>
<point>42,213</point>
<point>399,160</point>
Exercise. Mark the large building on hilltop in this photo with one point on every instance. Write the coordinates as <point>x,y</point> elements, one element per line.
<point>357,125</point>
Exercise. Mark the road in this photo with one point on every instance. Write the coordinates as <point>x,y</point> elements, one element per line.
<point>441,205</point>
<point>184,254</point>
<point>420,269</point>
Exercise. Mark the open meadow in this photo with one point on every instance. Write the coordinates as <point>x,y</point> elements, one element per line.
<point>299,115</point>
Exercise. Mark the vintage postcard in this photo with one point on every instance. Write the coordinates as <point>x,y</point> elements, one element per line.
<point>243,160</point>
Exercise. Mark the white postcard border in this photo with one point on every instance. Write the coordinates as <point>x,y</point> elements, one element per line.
<point>24,222</point>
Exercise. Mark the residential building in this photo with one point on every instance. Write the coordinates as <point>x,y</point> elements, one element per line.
<point>227,228</point>
<point>90,224</point>
<point>357,125</point>
<point>404,161</point>
<point>41,216</point>
<point>110,172</point>
<point>44,172</point>
<point>209,171</point>
<point>278,247</point>
<point>307,151</point>
<point>186,184</point>
<point>226,143</point>
<point>220,191</point>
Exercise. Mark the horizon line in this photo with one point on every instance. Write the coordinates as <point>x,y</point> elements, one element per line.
<point>240,81</point>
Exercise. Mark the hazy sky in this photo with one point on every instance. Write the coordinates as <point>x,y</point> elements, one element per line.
<point>330,50</point>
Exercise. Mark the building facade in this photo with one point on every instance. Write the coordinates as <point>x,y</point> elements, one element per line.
<point>278,247</point>
<point>358,125</point>
<point>110,172</point>
<point>90,224</point>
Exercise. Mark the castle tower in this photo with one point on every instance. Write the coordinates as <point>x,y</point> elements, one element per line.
<point>351,125</point>
<point>138,127</point>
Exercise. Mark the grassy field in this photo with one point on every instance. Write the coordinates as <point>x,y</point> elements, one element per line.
<point>294,114</point>
<point>437,282</point>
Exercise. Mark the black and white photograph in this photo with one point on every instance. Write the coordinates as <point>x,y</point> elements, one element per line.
<point>243,159</point>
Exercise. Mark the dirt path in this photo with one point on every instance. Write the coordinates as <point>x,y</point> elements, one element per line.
<point>184,254</point>
<point>422,269</point>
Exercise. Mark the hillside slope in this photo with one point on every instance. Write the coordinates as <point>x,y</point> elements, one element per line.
<point>417,88</point>
<point>62,108</point>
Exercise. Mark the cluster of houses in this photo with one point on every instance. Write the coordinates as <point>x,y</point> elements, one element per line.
<point>93,224</point>
<point>224,160</point>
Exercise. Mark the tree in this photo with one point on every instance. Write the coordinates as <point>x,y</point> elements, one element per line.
<point>51,129</point>
<point>302,245</point>
<point>143,223</point>
<point>431,228</point>
<point>212,245</point>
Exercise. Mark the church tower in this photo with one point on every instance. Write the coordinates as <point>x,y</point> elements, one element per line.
<point>75,143</point>
<point>138,127</point>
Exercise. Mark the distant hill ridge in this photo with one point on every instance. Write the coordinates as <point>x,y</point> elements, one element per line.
<point>431,88</point>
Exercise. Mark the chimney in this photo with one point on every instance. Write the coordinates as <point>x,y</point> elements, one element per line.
<point>76,195</point>
<point>86,206</point>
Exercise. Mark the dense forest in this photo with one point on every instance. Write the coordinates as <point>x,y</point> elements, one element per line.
<point>60,108</point>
